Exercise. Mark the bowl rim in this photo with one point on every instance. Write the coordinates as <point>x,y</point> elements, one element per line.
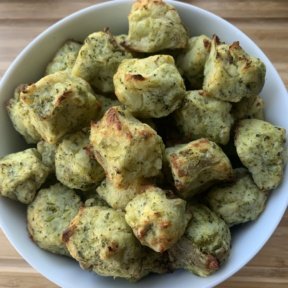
<point>69,18</point>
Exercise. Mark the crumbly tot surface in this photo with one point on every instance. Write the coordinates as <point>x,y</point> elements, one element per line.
<point>106,103</point>
<point>50,214</point>
<point>95,200</point>
<point>126,148</point>
<point>121,39</point>
<point>231,74</point>
<point>75,165</point>
<point>150,87</point>
<point>197,165</point>
<point>21,175</point>
<point>119,196</point>
<point>155,26</point>
<point>202,116</point>
<point>192,61</point>
<point>100,240</point>
<point>98,60</point>
<point>253,107</point>
<point>157,221</point>
<point>59,104</point>
<point>64,58</point>
<point>260,147</point>
<point>238,202</point>
<point>47,152</point>
<point>20,116</point>
<point>89,194</point>
<point>205,245</point>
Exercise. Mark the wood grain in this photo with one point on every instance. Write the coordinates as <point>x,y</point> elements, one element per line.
<point>265,21</point>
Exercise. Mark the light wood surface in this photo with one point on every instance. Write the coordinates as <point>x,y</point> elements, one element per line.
<point>265,21</point>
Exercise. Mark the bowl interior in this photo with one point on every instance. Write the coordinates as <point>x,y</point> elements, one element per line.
<point>29,66</point>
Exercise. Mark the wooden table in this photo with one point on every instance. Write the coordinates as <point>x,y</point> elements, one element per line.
<point>265,21</point>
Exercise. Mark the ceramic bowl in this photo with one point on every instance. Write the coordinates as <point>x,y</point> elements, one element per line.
<point>29,66</point>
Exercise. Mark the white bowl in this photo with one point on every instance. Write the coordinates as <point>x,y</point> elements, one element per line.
<point>29,66</point>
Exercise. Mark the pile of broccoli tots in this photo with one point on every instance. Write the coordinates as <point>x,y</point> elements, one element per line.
<point>148,147</point>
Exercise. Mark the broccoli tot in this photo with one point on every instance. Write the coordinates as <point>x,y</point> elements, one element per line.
<point>150,87</point>
<point>60,104</point>
<point>260,147</point>
<point>157,221</point>
<point>197,165</point>
<point>20,116</point>
<point>126,148</point>
<point>205,245</point>
<point>64,58</point>
<point>230,74</point>
<point>100,240</point>
<point>155,26</point>
<point>202,116</point>
<point>253,107</point>
<point>21,175</point>
<point>49,215</point>
<point>237,202</point>
<point>192,61</point>
<point>83,172</point>
<point>98,60</point>
<point>47,152</point>
<point>118,196</point>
